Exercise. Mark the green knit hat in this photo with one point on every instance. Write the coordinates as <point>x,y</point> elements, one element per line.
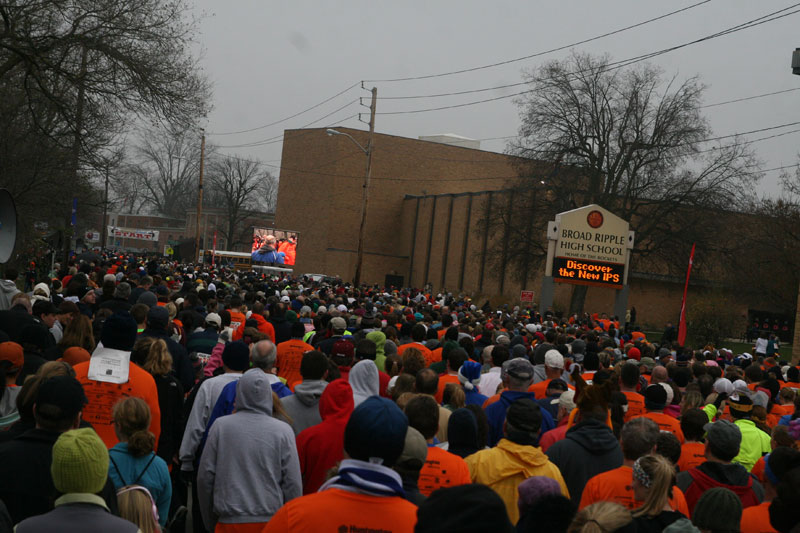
<point>719,509</point>
<point>80,462</point>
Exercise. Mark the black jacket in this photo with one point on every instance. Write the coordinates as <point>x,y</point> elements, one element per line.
<point>181,364</point>
<point>589,448</point>
<point>170,402</point>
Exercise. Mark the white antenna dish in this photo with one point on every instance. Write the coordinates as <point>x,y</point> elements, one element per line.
<point>8,225</point>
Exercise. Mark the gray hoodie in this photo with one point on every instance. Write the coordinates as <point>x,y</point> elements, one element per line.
<point>365,380</point>
<point>7,291</point>
<point>249,467</point>
<point>303,406</point>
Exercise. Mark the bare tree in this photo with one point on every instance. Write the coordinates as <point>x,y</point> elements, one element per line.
<point>629,140</point>
<point>167,169</point>
<point>240,186</point>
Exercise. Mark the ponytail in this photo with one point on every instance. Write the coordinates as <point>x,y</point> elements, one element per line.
<point>659,475</point>
<point>132,419</point>
<point>141,443</point>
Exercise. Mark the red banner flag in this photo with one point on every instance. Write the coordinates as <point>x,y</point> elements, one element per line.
<point>682,324</point>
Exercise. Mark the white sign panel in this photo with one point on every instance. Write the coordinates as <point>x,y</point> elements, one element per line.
<point>592,233</point>
<point>128,233</point>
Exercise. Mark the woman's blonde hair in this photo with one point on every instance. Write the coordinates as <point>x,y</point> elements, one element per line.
<point>691,400</point>
<point>661,475</point>
<point>136,505</point>
<point>152,355</point>
<point>454,396</point>
<point>600,517</point>
<point>132,418</point>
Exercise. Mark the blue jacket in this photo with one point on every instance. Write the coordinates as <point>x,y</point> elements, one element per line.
<point>154,478</point>
<point>474,397</point>
<point>268,257</point>
<point>496,415</point>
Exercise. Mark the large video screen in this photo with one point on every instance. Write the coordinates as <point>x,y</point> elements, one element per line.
<point>274,246</point>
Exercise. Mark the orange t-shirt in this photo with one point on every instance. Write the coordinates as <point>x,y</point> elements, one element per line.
<point>667,423</point>
<point>758,470</point>
<point>442,469</point>
<point>237,320</point>
<point>693,454</point>
<point>426,353</point>
<point>755,519</point>
<point>341,510</point>
<point>635,404</point>
<point>791,384</point>
<point>290,354</point>
<point>539,390</point>
<point>617,486</point>
<point>490,400</point>
<point>436,355</point>
<point>103,396</point>
<point>440,333</point>
<point>444,379</point>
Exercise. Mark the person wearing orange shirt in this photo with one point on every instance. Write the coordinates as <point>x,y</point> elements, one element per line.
<point>515,458</point>
<point>756,518</point>
<point>553,369</point>
<point>290,355</point>
<point>628,382</point>
<point>693,450</point>
<point>454,359</point>
<point>655,400</point>
<point>366,494</point>
<point>637,439</point>
<point>109,377</point>
<point>237,317</point>
<point>441,468</point>
<point>418,333</point>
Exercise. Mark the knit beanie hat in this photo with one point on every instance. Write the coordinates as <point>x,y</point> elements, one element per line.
<point>119,332</point>
<point>376,431</point>
<point>480,510</point>
<point>236,356</point>
<point>533,488</point>
<point>470,374</point>
<point>80,462</point>
<point>655,397</point>
<point>718,509</point>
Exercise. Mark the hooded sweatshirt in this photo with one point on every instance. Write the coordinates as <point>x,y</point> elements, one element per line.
<point>7,291</point>
<point>365,381</point>
<point>588,449</point>
<point>249,467</point>
<point>505,466</point>
<point>379,338</point>
<point>496,414</point>
<point>320,447</point>
<point>303,406</point>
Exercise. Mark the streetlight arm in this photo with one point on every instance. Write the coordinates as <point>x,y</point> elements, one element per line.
<point>330,131</point>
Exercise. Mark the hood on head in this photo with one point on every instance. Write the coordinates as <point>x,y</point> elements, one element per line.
<point>594,436</point>
<point>336,401</point>
<point>8,286</point>
<point>379,338</point>
<point>254,392</point>
<point>365,380</point>
<point>309,392</point>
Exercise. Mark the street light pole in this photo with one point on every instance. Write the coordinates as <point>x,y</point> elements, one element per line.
<point>104,229</point>
<point>199,199</point>
<point>365,191</point>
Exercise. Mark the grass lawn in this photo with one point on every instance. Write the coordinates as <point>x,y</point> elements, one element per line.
<point>735,346</point>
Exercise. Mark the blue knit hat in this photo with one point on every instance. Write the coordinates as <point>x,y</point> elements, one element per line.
<point>470,374</point>
<point>376,431</point>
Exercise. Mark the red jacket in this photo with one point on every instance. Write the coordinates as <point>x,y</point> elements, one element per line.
<point>320,447</point>
<point>263,326</point>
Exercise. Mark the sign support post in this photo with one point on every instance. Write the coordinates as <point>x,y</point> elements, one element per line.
<point>548,285</point>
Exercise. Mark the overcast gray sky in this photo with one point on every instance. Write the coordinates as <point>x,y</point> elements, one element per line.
<point>269,59</point>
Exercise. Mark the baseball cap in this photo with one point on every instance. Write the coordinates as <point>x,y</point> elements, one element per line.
<point>724,436</point>
<point>554,359</point>
<point>557,384</point>
<point>338,323</point>
<point>518,368</point>
<point>648,362</point>
<point>567,400</point>
<point>214,318</point>
<point>376,431</point>
<point>12,352</point>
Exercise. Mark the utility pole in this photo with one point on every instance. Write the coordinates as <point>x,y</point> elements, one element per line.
<point>199,198</point>
<point>365,191</point>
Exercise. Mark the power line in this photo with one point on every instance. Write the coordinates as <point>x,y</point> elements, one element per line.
<point>267,141</point>
<point>287,118</point>
<point>611,66</point>
<point>750,98</point>
<point>538,54</point>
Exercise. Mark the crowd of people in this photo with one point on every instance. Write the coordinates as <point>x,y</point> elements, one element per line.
<point>153,396</point>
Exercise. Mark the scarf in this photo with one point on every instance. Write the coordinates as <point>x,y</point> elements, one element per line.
<point>366,478</point>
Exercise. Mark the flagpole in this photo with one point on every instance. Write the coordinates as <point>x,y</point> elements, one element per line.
<point>682,323</point>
